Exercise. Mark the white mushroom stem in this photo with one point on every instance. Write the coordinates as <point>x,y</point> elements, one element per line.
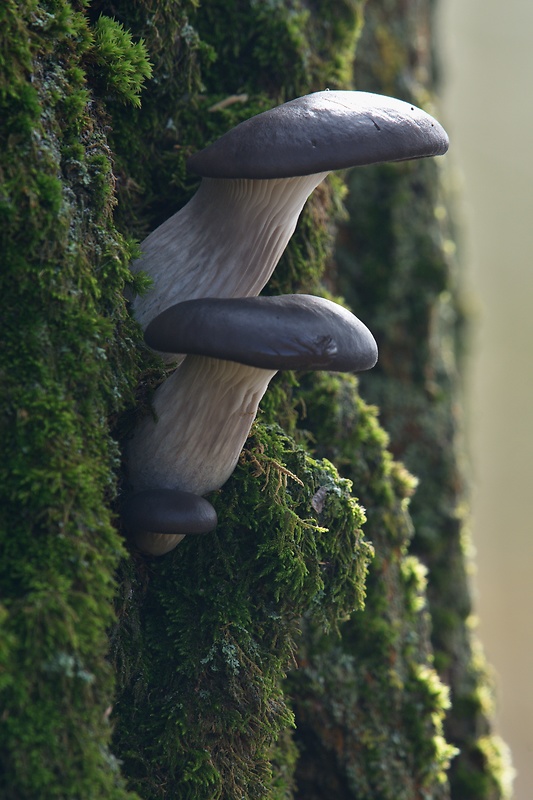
<point>225,242</point>
<point>204,413</point>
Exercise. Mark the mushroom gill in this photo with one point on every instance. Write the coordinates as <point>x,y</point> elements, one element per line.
<point>225,242</point>
<point>256,178</point>
<point>203,414</point>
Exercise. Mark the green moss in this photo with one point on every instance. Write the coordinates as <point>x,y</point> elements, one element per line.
<point>121,64</point>
<point>265,40</point>
<point>202,641</point>
<point>217,623</point>
<point>369,705</point>
<point>64,369</point>
<point>151,144</point>
<point>486,771</point>
<point>284,49</point>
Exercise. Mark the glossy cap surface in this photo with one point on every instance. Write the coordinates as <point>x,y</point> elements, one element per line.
<point>289,332</point>
<point>322,132</point>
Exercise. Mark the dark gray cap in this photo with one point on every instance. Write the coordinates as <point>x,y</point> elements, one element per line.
<point>168,511</point>
<point>322,132</point>
<point>295,331</point>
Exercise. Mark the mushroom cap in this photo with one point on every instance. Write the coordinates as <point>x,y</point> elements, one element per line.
<point>321,132</point>
<point>168,511</point>
<point>295,331</point>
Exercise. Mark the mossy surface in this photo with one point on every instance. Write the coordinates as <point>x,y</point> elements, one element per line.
<point>369,704</point>
<point>197,769</point>
<point>65,368</point>
<point>397,268</point>
<point>202,703</point>
<point>101,102</point>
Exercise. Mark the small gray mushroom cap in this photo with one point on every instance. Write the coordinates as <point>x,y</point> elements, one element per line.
<point>273,333</point>
<point>168,511</point>
<point>322,132</point>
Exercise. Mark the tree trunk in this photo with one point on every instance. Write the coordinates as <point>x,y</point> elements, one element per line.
<point>303,649</point>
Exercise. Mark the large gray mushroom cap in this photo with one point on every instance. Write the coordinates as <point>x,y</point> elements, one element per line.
<point>289,332</point>
<point>322,132</point>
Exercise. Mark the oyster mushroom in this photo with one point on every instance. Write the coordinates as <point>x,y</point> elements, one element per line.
<point>204,411</point>
<point>256,178</point>
<point>225,243</point>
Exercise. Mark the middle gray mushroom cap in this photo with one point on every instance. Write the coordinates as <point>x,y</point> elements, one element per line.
<point>274,333</point>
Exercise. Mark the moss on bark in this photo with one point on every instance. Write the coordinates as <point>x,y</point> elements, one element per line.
<point>65,365</point>
<point>396,262</point>
<point>369,705</point>
<point>201,703</point>
<point>202,640</point>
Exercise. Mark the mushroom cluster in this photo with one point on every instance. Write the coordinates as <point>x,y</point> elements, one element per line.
<point>208,264</point>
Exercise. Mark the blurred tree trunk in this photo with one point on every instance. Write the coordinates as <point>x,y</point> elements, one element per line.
<point>128,677</point>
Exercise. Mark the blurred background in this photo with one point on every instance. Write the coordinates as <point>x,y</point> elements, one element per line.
<point>487,106</point>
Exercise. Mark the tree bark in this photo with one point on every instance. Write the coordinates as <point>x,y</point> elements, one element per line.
<point>304,648</point>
